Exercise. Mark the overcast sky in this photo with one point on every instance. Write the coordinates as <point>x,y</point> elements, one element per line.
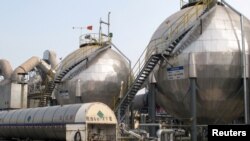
<point>29,27</point>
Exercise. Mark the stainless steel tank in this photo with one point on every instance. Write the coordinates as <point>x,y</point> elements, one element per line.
<point>96,79</point>
<point>217,55</point>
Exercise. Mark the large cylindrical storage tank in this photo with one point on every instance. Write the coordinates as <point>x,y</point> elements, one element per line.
<point>215,46</point>
<point>56,122</point>
<point>97,78</point>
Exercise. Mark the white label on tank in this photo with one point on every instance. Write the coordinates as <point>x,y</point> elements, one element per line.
<point>64,94</point>
<point>175,73</point>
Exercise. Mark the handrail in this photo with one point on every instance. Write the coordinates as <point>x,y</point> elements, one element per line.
<point>158,45</point>
<point>71,59</point>
<point>92,38</point>
<point>186,18</point>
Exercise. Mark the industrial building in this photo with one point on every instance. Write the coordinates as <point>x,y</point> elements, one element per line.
<point>193,73</point>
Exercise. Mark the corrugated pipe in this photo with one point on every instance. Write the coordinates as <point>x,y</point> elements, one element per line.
<point>29,65</point>
<point>5,69</point>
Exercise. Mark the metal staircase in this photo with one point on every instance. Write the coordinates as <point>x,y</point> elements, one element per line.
<point>70,64</point>
<point>46,94</point>
<point>59,77</point>
<point>159,49</point>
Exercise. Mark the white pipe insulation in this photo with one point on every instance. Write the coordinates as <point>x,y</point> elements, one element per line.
<point>5,69</point>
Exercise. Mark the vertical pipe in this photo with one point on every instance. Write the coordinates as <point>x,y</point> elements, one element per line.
<point>193,108</point>
<point>119,115</point>
<point>100,30</point>
<point>192,77</point>
<point>151,108</point>
<point>143,120</point>
<point>246,108</point>
<point>108,22</point>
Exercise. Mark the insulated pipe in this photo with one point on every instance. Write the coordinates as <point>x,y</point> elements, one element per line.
<point>5,69</point>
<point>138,136</point>
<point>29,65</point>
<point>51,58</point>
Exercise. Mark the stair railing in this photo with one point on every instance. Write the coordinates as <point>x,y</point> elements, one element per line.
<point>157,46</point>
<point>185,21</point>
<point>176,29</point>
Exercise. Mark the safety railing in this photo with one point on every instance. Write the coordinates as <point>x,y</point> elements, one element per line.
<point>178,27</point>
<point>85,51</point>
<point>184,22</point>
<point>71,59</point>
<point>93,38</point>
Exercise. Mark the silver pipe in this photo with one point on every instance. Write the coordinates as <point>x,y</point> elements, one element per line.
<point>236,11</point>
<point>192,78</point>
<point>246,108</point>
<point>150,124</point>
<point>244,71</point>
<point>51,58</point>
<point>108,23</point>
<point>135,135</point>
<point>131,132</point>
<point>194,109</point>
<point>5,69</point>
<point>129,61</point>
<point>163,131</point>
<point>29,65</point>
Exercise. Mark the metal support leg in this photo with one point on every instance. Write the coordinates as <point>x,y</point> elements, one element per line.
<point>151,108</point>
<point>132,117</point>
<point>193,108</point>
<point>22,95</point>
<point>247,119</point>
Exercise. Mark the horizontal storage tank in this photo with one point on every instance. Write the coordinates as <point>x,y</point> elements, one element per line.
<point>92,73</point>
<point>215,49</point>
<point>86,121</point>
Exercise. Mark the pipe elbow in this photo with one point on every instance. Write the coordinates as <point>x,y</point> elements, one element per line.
<point>29,65</point>
<point>5,69</point>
